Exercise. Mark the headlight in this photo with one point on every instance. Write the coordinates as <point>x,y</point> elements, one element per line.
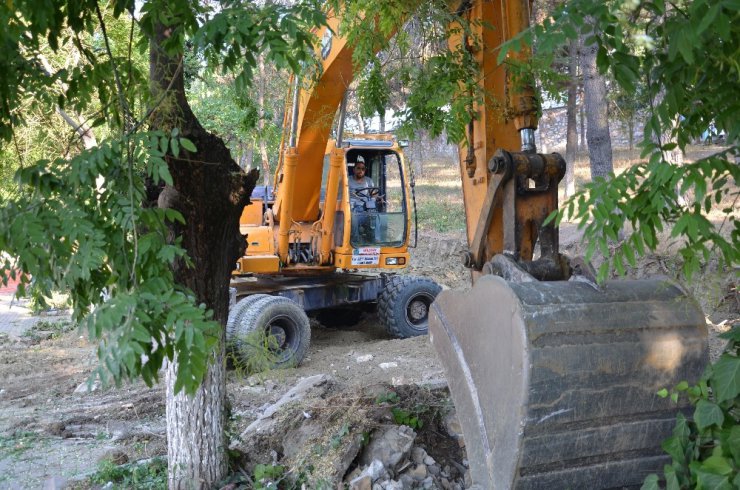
<point>391,261</point>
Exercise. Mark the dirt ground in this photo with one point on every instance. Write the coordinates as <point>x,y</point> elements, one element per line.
<point>50,426</point>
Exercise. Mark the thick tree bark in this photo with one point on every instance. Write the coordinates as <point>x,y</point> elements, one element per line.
<point>597,117</point>
<point>571,144</point>
<point>210,191</point>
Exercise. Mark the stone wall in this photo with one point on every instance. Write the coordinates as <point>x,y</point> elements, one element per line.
<point>553,131</point>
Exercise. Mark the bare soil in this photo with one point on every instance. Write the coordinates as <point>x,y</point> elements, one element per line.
<point>47,429</point>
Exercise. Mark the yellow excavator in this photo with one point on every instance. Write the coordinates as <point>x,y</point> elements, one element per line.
<point>327,239</point>
<point>553,376</point>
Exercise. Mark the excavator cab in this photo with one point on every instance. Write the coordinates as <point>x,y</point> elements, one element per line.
<point>376,193</point>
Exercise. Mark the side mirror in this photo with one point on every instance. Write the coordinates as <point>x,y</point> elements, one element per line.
<point>403,143</point>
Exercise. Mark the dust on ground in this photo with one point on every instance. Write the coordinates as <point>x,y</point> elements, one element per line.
<point>51,425</point>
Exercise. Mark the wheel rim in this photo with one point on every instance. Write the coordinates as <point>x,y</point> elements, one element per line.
<point>284,338</point>
<point>417,310</point>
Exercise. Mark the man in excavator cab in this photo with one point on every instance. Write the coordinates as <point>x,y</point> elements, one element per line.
<point>364,198</point>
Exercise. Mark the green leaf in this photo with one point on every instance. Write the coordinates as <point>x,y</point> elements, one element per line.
<point>717,465</point>
<point>708,18</point>
<point>725,380</point>
<point>708,414</point>
<point>188,145</point>
<point>711,481</point>
<point>651,483</point>
<point>733,441</point>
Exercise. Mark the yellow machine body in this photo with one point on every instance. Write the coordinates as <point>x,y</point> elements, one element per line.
<point>335,238</point>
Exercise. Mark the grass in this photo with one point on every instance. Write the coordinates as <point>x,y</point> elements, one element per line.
<point>49,329</point>
<point>151,475</point>
<point>17,443</point>
<point>439,201</point>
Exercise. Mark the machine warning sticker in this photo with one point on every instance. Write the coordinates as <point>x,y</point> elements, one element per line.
<point>366,256</point>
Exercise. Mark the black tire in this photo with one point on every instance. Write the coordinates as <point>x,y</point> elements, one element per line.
<point>273,333</point>
<point>403,305</point>
<point>236,313</point>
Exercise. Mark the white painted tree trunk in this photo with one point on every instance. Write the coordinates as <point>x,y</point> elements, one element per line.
<point>196,441</point>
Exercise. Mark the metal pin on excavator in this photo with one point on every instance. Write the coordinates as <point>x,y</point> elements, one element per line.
<point>553,379</point>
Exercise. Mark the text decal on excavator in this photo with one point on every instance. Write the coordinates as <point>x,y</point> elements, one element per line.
<point>366,256</point>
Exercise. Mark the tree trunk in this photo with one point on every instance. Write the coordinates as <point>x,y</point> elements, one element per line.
<point>361,123</point>
<point>382,122</point>
<point>582,110</point>
<point>571,145</point>
<point>210,191</point>
<point>261,124</point>
<point>597,132</point>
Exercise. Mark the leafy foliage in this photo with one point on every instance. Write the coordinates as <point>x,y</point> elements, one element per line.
<point>81,228</point>
<point>84,223</point>
<point>706,450</point>
<point>684,56</point>
<point>233,37</point>
<point>440,86</point>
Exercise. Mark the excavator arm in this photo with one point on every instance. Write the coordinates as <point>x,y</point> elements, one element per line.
<point>553,377</point>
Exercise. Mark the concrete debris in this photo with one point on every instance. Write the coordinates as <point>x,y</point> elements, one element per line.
<point>87,387</point>
<point>416,469</point>
<point>317,384</point>
<point>391,446</point>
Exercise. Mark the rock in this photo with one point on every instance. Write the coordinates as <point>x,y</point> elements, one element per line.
<point>55,483</point>
<point>388,365</point>
<point>418,454</point>
<point>115,456</point>
<point>428,483</point>
<point>418,472</point>
<point>318,383</point>
<point>363,482</point>
<point>364,358</point>
<point>434,469</point>
<point>406,481</point>
<point>349,454</point>
<point>55,428</point>
<point>390,446</point>
<point>434,384</point>
<point>87,387</point>
<point>294,440</point>
<point>375,470</point>
<point>393,485</point>
<point>428,460</point>
<point>452,426</point>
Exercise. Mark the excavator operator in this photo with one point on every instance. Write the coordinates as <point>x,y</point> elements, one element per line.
<point>363,196</point>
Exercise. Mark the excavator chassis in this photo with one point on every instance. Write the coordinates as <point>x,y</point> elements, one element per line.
<point>555,382</point>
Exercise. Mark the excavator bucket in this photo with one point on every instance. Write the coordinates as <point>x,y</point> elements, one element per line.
<point>555,382</point>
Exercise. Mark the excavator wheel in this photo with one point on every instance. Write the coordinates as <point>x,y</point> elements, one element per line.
<point>404,303</point>
<point>271,332</point>
<point>236,313</point>
<point>555,382</point>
